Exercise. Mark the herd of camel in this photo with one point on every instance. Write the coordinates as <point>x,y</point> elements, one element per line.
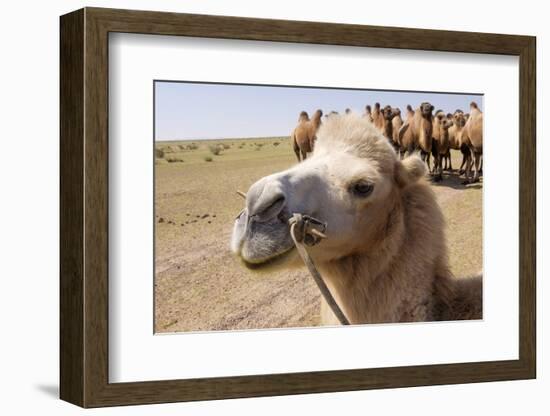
<point>433,134</point>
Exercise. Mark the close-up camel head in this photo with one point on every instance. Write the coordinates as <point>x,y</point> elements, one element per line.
<point>353,182</point>
<point>303,116</point>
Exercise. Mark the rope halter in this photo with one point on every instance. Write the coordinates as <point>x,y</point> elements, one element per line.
<point>309,231</point>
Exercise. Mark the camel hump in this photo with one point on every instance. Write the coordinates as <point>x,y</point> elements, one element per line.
<point>403,130</point>
<point>303,116</point>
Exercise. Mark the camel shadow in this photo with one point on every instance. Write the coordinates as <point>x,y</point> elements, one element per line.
<point>455,181</point>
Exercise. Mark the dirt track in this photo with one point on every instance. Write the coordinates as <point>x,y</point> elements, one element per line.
<point>199,285</point>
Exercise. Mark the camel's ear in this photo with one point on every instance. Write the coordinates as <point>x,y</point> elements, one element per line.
<point>409,171</point>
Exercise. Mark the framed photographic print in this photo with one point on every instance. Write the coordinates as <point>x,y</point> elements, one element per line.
<point>256,207</point>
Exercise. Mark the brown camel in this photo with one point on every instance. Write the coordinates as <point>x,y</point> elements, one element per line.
<point>368,112</point>
<point>473,138</point>
<point>385,257</point>
<point>456,132</point>
<point>440,142</point>
<point>416,133</point>
<point>304,135</point>
<point>387,125</point>
<point>377,117</point>
<point>397,123</point>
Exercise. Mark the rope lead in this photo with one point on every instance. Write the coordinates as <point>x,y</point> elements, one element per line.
<point>304,232</point>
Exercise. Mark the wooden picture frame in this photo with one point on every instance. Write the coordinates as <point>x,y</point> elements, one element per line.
<point>84,207</point>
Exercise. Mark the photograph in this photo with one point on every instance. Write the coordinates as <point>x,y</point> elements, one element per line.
<point>284,206</point>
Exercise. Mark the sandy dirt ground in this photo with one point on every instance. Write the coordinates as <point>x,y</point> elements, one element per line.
<point>200,286</point>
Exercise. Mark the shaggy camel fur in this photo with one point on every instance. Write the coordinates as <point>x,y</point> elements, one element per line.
<point>385,256</point>
<point>304,135</point>
<point>416,133</point>
<point>473,138</point>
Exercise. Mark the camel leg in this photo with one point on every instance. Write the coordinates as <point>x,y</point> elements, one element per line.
<point>438,168</point>
<point>468,170</point>
<point>465,156</point>
<point>448,163</point>
<point>477,157</point>
<point>304,155</point>
<point>425,156</point>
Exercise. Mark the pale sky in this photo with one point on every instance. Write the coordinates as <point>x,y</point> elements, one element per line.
<point>212,111</point>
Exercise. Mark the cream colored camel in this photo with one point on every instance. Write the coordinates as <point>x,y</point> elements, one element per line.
<point>473,138</point>
<point>416,133</point>
<point>304,134</point>
<point>385,255</point>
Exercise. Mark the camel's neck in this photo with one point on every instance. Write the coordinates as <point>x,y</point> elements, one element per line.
<point>388,128</point>
<point>425,134</point>
<point>362,283</point>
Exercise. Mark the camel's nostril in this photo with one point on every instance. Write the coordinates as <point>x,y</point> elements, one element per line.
<point>270,209</point>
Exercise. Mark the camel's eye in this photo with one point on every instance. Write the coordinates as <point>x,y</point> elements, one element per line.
<point>362,189</point>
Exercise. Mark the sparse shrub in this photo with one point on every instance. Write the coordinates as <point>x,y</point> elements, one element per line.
<point>276,143</point>
<point>181,146</point>
<point>173,159</point>
<point>167,149</point>
<point>159,153</point>
<point>225,146</point>
<point>192,146</point>
<point>208,159</point>
<point>215,149</point>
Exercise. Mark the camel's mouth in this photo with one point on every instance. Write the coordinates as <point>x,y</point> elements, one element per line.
<point>279,259</point>
<point>261,244</point>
